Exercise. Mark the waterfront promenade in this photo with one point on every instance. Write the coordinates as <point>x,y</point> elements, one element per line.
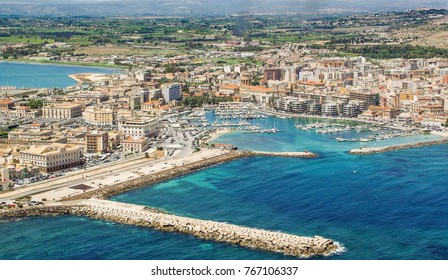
<point>278,242</point>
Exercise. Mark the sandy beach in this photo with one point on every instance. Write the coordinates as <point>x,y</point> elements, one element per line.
<point>215,135</point>
<point>88,77</point>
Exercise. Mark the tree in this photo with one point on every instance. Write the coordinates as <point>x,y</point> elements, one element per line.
<point>146,155</point>
<point>35,104</point>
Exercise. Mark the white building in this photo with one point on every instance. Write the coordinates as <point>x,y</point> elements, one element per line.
<point>139,127</point>
<point>135,145</point>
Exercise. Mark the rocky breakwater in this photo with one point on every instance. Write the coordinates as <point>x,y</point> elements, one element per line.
<point>287,244</point>
<point>107,191</point>
<point>375,150</point>
<point>54,210</point>
<point>304,154</point>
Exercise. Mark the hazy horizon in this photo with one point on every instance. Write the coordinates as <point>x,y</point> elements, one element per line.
<point>205,7</point>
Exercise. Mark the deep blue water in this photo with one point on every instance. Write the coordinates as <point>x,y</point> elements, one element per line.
<point>30,75</point>
<point>383,206</point>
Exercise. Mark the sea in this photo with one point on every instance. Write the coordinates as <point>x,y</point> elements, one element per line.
<point>389,206</point>
<point>35,75</point>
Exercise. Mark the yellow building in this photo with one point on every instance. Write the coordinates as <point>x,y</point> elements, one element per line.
<point>98,116</point>
<point>97,142</point>
<point>52,157</point>
<point>406,95</point>
<point>62,111</point>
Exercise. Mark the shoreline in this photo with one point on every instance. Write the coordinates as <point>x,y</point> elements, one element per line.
<point>218,133</point>
<point>82,78</point>
<point>56,63</point>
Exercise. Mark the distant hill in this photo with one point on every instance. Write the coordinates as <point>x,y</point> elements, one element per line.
<point>205,7</point>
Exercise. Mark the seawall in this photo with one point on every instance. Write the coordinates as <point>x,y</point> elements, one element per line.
<point>374,150</point>
<point>54,210</point>
<point>287,244</point>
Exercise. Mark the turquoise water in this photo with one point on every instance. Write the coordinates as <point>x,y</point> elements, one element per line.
<point>383,206</point>
<point>30,75</point>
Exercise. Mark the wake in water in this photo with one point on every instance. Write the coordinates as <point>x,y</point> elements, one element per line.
<point>8,220</point>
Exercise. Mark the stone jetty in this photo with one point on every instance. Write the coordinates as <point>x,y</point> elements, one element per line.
<point>375,150</point>
<point>304,154</point>
<point>130,214</point>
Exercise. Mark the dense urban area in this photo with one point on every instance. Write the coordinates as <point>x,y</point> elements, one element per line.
<point>385,68</point>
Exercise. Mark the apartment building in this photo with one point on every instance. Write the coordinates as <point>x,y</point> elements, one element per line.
<point>97,142</point>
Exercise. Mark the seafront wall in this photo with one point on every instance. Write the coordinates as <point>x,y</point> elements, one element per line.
<point>374,150</point>
<point>55,210</point>
<point>107,191</point>
<point>287,244</point>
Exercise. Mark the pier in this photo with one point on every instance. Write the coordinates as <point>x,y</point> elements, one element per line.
<point>278,242</point>
<point>375,150</point>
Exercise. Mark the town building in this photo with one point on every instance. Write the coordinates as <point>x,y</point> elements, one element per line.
<point>135,144</point>
<point>6,105</point>
<point>62,111</point>
<point>139,127</point>
<point>97,142</point>
<point>171,92</point>
<point>99,116</point>
<point>52,157</point>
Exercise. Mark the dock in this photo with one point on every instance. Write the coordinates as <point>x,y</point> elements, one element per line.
<point>258,239</point>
